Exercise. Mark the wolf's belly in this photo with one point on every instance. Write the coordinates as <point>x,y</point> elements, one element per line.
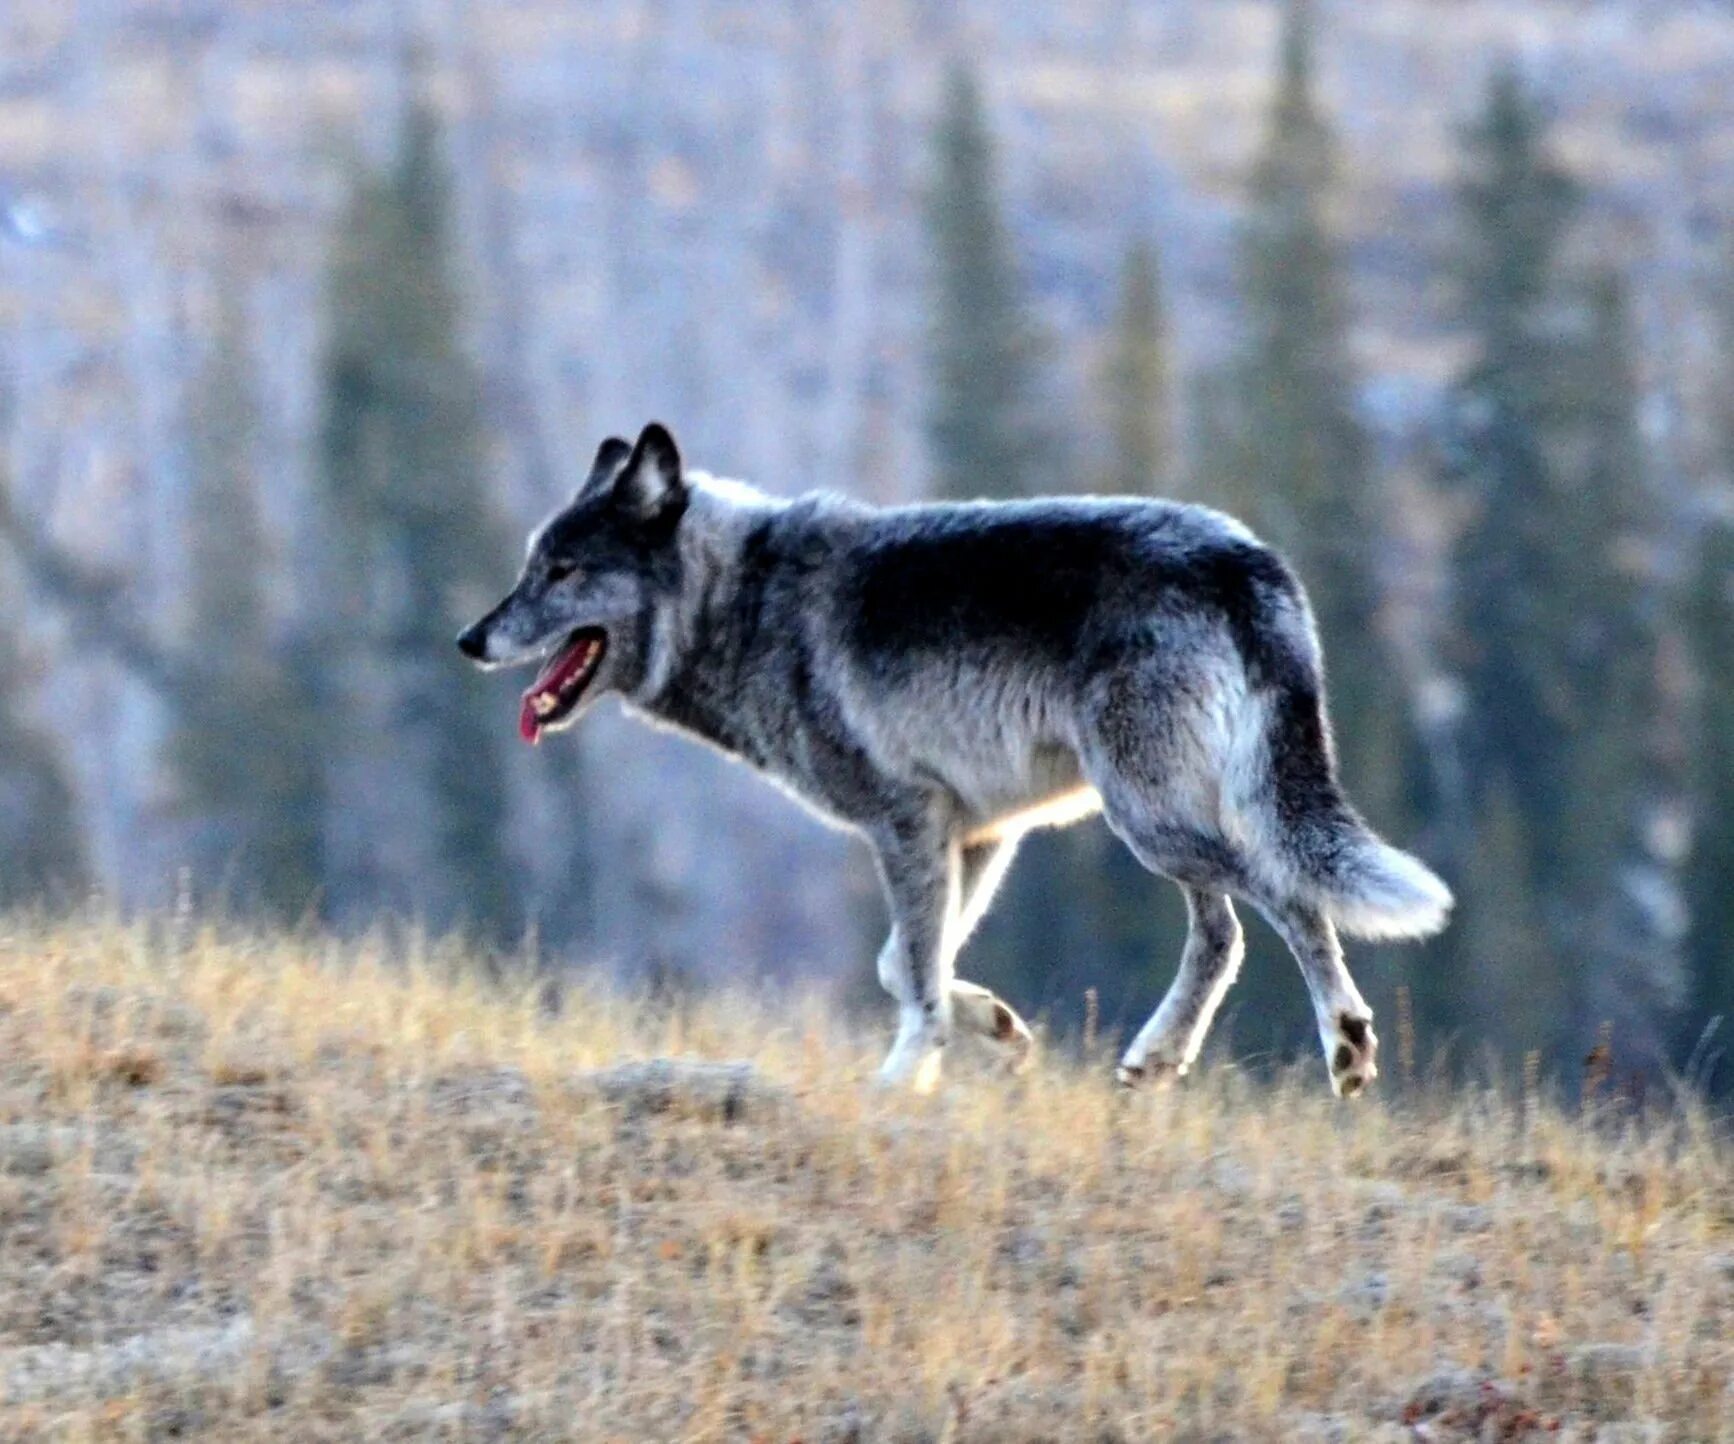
<point>1003,752</point>
<point>1007,794</point>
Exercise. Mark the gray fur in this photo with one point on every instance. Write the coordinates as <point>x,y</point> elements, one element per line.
<point>940,679</point>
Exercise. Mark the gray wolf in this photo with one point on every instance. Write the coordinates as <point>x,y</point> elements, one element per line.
<point>943,678</point>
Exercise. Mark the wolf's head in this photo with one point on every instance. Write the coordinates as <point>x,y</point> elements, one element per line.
<point>597,572</point>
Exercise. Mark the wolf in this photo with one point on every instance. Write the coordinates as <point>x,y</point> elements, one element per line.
<point>942,678</point>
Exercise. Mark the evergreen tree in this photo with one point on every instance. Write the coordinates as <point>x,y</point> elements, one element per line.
<point>41,847</point>
<point>1608,586</point>
<point>1502,932</point>
<point>1135,381</point>
<point>1708,627</point>
<point>1303,461</point>
<point>1621,771</point>
<point>1282,448</point>
<point>1553,589</point>
<point>402,462</point>
<point>984,428</point>
<point>1710,631</point>
<point>1516,204</point>
<point>245,745</point>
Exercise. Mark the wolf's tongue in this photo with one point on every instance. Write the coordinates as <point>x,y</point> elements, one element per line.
<point>553,684</point>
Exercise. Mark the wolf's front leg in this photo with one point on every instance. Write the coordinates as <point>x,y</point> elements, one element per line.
<point>918,863</point>
<point>914,1057</point>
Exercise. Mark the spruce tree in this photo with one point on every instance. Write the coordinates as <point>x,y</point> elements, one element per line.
<point>1281,447</point>
<point>1621,771</point>
<point>1516,205</point>
<point>403,465</point>
<point>41,847</point>
<point>1709,617</point>
<point>984,424</point>
<point>1608,634</point>
<point>1305,470</point>
<point>1135,381</point>
<point>1552,583</point>
<point>244,745</point>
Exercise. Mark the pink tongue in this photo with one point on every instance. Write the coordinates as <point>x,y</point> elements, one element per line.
<point>549,682</point>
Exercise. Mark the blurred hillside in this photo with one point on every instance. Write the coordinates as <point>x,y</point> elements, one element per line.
<point>709,208</point>
<point>710,212</point>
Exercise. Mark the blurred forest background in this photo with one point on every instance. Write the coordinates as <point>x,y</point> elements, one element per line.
<point>309,310</point>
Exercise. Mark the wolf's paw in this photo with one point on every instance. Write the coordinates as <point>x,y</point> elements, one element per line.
<point>978,1011</point>
<point>1152,1075</point>
<point>1013,1034</point>
<point>910,1073</point>
<point>1351,1050</point>
<point>917,1054</point>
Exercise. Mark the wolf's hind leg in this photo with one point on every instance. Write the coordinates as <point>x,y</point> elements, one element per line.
<point>1168,1044</point>
<point>1345,1022</point>
<point>1152,816</point>
<point>982,869</point>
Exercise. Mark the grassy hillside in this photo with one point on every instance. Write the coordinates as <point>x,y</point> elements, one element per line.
<point>287,1190</point>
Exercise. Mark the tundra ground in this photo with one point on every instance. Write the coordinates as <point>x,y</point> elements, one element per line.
<point>297,1189</point>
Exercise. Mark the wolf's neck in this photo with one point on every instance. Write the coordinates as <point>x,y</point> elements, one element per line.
<point>697,651</point>
<point>724,642</point>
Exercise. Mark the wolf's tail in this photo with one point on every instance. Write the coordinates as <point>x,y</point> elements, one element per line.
<point>1303,834</point>
<point>1316,846</point>
<point>1370,889</point>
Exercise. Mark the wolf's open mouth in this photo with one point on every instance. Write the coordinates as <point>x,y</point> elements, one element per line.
<point>560,685</point>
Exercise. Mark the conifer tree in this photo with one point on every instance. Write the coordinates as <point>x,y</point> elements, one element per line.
<point>1305,473</point>
<point>41,847</point>
<point>1709,617</point>
<point>984,414</point>
<point>402,463</point>
<point>1552,581</point>
<point>1708,626</point>
<point>1516,204</point>
<point>1281,446</point>
<point>245,744</point>
<point>1136,381</point>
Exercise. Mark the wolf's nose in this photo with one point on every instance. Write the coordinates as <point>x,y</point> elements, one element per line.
<point>472,644</point>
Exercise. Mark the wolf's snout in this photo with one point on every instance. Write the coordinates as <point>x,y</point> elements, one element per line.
<point>473,642</point>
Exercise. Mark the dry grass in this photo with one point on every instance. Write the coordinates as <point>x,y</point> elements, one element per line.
<point>279,1190</point>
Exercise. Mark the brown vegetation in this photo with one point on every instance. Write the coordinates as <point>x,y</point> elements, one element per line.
<point>298,1190</point>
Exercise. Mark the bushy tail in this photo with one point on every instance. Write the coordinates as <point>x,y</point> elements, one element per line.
<point>1372,890</point>
<point>1296,828</point>
<point>1331,858</point>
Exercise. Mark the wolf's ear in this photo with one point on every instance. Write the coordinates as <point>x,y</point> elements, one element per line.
<point>650,486</point>
<point>610,457</point>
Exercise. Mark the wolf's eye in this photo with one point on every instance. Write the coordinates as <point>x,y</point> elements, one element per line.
<point>559,571</point>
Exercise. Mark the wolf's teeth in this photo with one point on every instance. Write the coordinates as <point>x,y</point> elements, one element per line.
<point>544,703</point>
